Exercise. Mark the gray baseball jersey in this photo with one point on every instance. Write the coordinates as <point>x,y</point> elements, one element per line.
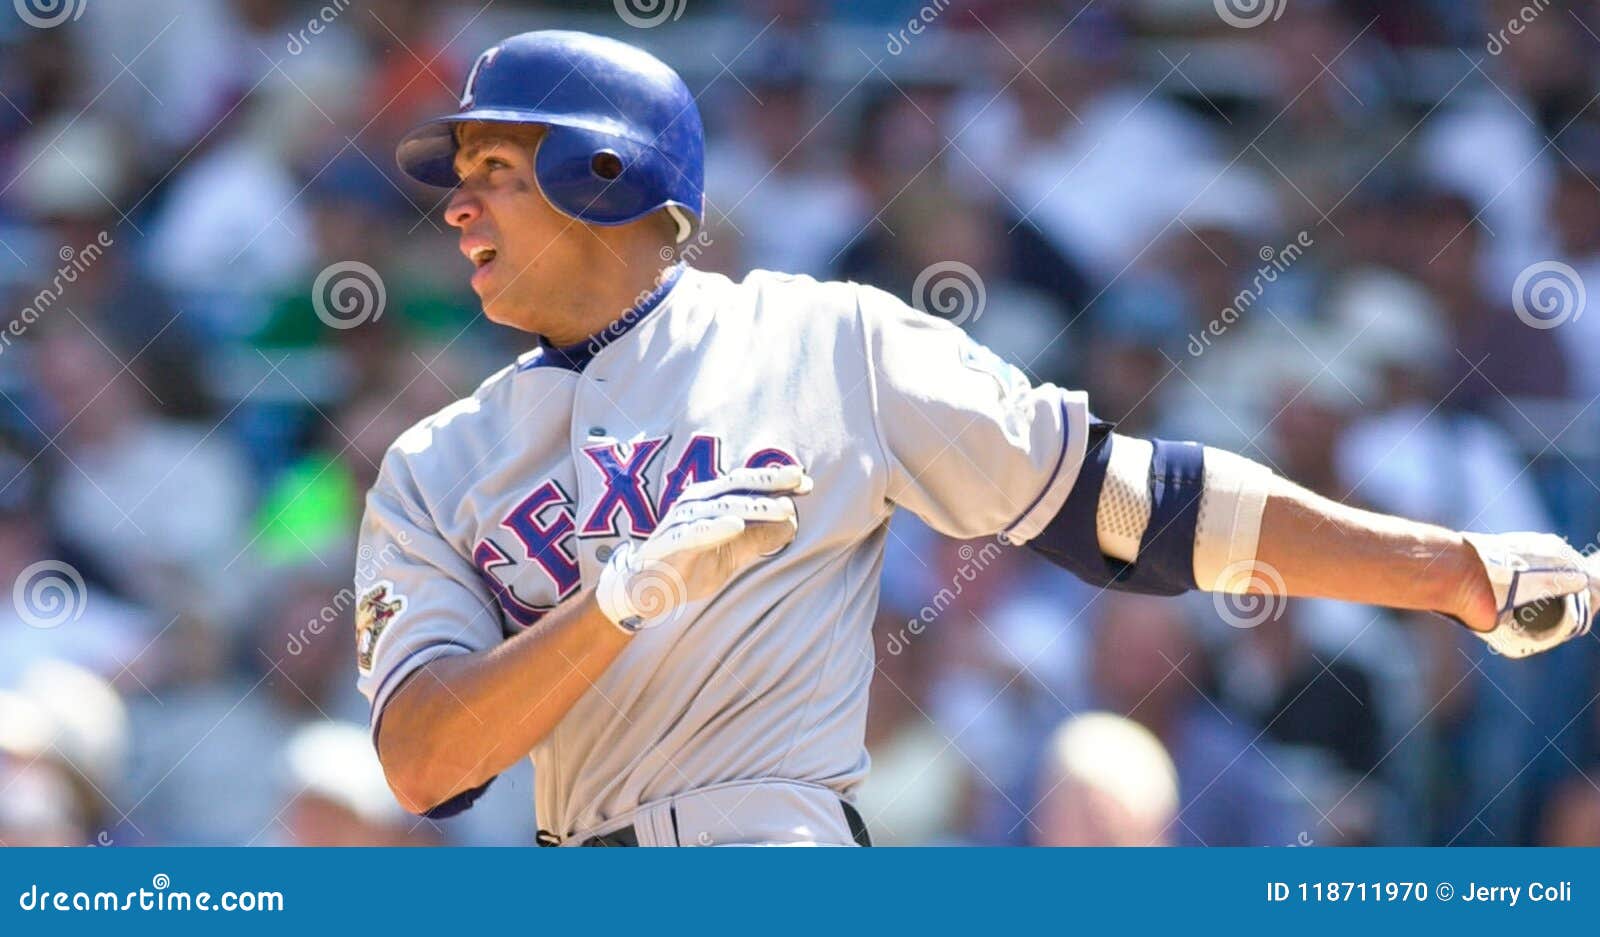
<point>491,512</point>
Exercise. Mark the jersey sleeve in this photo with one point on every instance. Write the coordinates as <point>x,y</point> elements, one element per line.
<point>418,599</point>
<point>972,447</point>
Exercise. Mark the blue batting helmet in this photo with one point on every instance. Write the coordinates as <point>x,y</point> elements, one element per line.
<point>624,136</point>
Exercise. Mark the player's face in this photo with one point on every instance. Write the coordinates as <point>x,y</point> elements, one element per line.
<point>525,253</point>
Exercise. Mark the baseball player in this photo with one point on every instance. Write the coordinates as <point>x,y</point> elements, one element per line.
<point>647,552</point>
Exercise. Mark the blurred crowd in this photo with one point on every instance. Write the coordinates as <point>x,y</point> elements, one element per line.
<point>1350,240</point>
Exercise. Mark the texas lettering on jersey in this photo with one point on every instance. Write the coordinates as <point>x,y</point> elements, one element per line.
<point>544,525</point>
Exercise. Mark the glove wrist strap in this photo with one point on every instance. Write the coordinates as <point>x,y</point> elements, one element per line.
<point>611,591</point>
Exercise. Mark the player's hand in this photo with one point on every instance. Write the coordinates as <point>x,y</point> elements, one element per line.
<point>715,529</point>
<point>1543,592</point>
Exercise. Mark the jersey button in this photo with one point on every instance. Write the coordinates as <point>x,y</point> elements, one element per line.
<point>597,431</point>
<point>602,553</point>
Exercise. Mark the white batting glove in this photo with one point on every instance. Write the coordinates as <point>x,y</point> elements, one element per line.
<point>715,529</point>
<point>1544,589</point>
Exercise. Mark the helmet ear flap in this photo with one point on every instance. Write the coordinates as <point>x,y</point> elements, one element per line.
<point>594,176</point>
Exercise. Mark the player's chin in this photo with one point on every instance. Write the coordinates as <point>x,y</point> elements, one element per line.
<point>504,318</point>
<point>496,308</point>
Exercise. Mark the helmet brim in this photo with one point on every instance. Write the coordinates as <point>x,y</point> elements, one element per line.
<point>428,153</point>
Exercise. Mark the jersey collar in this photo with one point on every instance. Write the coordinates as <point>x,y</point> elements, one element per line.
<point>576,357</point>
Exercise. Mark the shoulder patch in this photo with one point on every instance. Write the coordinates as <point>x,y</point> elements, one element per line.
<point>1008,376</point>
<point>379,606</point>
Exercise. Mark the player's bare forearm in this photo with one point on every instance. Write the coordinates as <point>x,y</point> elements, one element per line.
<point>1252,531</point>
<point>461,720</point>
<point>1323,549</point>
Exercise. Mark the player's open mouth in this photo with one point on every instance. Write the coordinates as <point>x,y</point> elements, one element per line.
<point>482,257</point>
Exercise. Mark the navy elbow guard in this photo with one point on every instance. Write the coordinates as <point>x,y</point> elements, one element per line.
<point>1165,562</point>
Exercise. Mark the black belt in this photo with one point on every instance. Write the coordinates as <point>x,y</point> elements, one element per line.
<point>627,837</point>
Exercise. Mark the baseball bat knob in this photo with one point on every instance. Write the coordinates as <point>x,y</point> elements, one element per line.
<point>1544,615</point>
